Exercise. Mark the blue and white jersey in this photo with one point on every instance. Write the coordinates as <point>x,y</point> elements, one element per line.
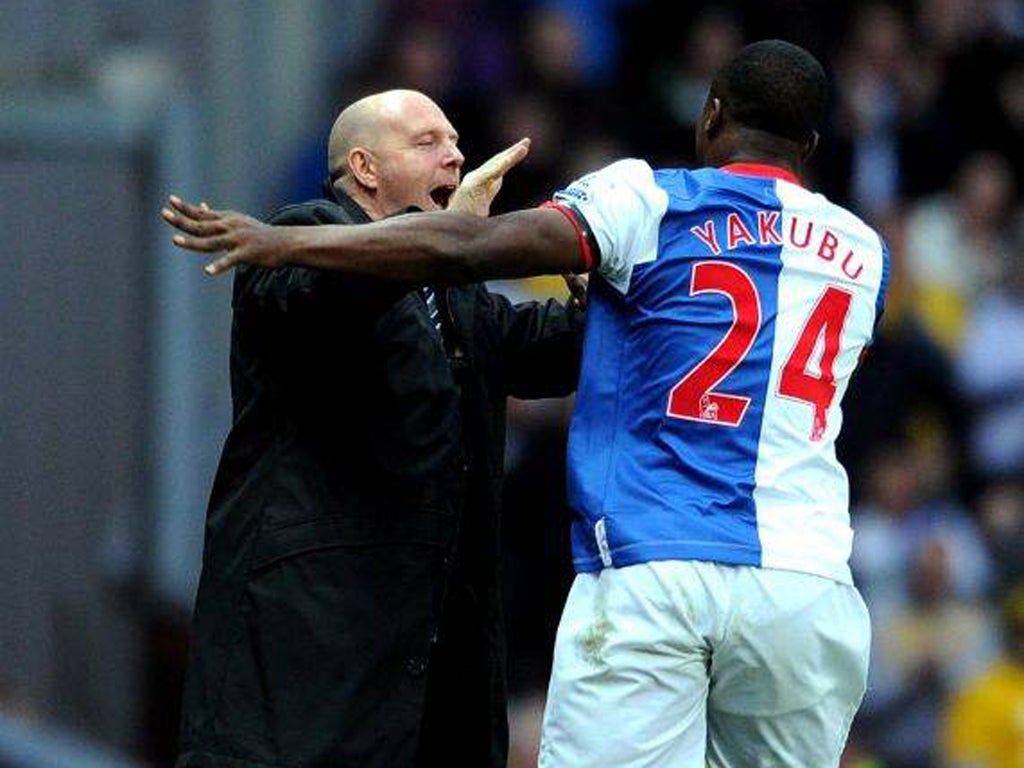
<point>727,313</point>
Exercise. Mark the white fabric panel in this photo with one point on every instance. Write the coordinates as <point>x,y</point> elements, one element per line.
<point>801,491</point>
<point>623,206</point>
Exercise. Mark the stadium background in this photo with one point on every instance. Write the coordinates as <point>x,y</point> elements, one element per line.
<point>113,349</point>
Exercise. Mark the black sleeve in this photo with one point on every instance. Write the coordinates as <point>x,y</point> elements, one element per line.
<point>293,288</point>
<point>542,345</point>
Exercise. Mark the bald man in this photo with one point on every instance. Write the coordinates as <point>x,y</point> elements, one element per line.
<point>348,612</point>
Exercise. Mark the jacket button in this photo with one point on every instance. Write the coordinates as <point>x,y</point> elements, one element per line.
<point>416,666</point>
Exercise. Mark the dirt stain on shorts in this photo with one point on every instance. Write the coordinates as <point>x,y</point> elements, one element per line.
<point>592,640</point>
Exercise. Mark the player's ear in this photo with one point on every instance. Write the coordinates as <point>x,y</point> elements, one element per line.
<point>363,166</point>
<point>711,120</point>
<point>810,145</point>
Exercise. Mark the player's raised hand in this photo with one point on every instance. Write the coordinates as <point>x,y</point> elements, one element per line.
<point>480,186</point>
<point>241,238</point>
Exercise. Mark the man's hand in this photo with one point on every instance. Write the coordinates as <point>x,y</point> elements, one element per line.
<point>480,186</point>
<point>577,285</point>
<point>242,238</point>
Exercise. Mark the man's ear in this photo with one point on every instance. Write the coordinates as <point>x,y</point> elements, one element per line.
<point>810,145</point>
<point>363,166</point>
<point>711,120</point>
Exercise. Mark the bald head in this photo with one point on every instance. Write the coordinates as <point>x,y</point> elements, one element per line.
<point>369,121</point>
<point>393,148</point>
<point>359,122</point>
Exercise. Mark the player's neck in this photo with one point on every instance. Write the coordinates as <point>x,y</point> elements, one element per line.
<point>753,147</point>
<point>757,158</point>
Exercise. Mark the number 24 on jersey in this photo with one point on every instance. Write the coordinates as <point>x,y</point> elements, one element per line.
<point>695,397</point>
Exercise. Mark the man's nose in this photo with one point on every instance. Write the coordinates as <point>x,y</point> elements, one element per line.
<point>454,156</point>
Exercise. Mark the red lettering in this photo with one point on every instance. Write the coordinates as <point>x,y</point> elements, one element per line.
<point>798,380</point>
<point>827,249</point>
<point>767,228</point>
<point>695,397</point>
<point>807,234</point>
<point>738,231</point>
<point>846,270</point>
<point>706,234</point>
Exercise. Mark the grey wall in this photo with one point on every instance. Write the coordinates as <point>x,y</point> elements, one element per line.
<point>73,417</point>
<point>114,346</point>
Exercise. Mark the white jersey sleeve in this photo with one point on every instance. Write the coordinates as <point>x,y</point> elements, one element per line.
<point>623,206</point>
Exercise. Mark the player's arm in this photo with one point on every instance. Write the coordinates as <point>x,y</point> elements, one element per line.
<point>442,246</point>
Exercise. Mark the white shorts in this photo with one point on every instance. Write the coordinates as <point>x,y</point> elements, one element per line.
<point>691,664</point>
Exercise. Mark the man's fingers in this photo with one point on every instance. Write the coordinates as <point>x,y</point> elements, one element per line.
<point>221,265</point>
<point>577,285</point>
<point>199,228</point>
<point>201,211</point>
<point>203,244</point>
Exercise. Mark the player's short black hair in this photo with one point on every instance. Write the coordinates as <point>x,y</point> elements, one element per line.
<point>774,86</point>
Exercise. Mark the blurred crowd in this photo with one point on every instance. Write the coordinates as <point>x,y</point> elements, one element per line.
<point>926,142</point>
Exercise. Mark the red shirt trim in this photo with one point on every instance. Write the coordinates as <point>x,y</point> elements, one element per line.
<point>586,251</point>
<point>763,170</point>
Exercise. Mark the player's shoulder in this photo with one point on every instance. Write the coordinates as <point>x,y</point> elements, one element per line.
<point>843,230</point>
<point>628,172</point>
<point>707,187</point>
<point>627,168</point>
<point>800,200</point>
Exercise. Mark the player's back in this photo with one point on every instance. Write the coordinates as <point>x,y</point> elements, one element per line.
<point>731,309</point>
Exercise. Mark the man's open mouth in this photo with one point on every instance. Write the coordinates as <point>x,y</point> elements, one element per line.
<point>442,194</point>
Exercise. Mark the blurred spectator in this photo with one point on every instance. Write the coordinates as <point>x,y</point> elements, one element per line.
<point>683,78</point>
<point>665,75</point>
<point>906,379</point>
<point>596,36</point>
<point>880,89</point>
<point>594,151</point>
<point>553,49</point>
<point>984,727</point>
<point>949,25</point>
<point>475,44</point>
<point>1009,130</point>
<point>1001,512</point>
<point>921,564</point>
<point>991,369</point>
<point>534,114</point>
<point>905,507</point>
<point>956,244</point>
<point>555,104</point>
<point>923,650</point>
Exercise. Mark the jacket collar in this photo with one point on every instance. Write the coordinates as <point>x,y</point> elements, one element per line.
<point>351,207</point>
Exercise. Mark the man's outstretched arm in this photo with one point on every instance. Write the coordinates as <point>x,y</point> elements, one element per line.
<point>422,247</point>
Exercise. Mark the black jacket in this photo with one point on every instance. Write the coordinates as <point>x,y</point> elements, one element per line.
<point>348,610</point>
